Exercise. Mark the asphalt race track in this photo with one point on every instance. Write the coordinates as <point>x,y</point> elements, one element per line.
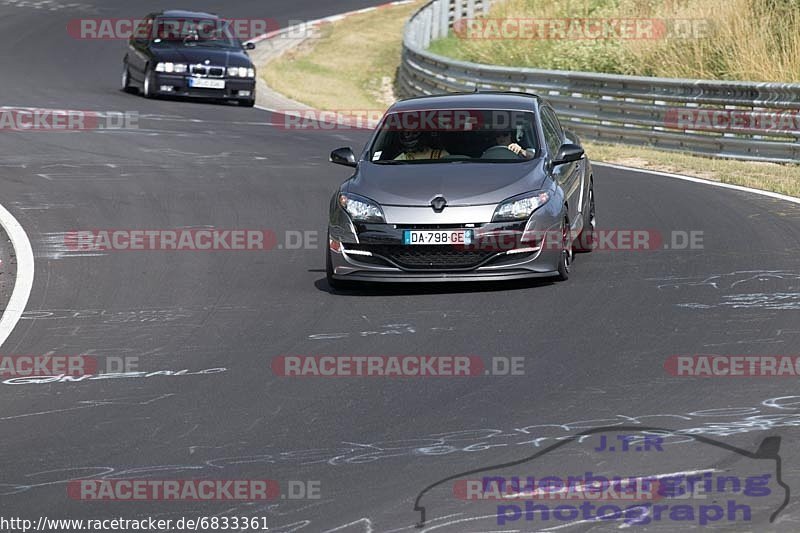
<point>594,347</point>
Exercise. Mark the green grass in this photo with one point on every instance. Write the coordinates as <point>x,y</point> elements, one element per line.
<point>755,40</point>
<point>351,66</point>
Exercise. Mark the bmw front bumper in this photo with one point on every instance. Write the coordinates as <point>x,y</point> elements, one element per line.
<point>235,88</point>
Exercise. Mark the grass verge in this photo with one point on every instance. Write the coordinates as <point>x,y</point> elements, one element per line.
<point>784,179</point>
<point>352,66</point>
<point>703,39</point>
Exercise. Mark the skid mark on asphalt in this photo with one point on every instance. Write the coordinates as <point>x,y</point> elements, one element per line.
<point>401,328</point>
<point>743,289</point>
<point>46,5</point>
<point>388,329</point>
<point>144,315</point>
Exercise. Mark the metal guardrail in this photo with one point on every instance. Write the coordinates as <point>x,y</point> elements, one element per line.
<point>613,108</point>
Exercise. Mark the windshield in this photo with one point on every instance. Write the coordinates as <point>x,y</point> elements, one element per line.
<point>460,135</point>
<point>194,32</point>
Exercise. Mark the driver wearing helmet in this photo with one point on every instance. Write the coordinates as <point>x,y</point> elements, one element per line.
<point>506,138</point>
<point>418,147</point>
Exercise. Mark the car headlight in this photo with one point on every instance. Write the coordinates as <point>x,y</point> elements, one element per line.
<point>520,208</point>
<point>241,72</point>
<point>360,209</point>
<point>168,67</point>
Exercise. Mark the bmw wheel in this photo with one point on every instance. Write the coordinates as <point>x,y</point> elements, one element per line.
<point>126,78</point>
<point>147,85</point>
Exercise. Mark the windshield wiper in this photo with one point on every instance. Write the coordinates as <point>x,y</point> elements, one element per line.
<point>389,162</point>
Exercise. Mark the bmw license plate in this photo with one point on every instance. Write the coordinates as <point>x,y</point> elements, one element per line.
<point>203,83</point>
<point>438,237</point>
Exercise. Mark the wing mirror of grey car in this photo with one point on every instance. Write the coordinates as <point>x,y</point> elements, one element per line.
<point>343,156</point>
<point>249,46</point>
<point>567,154</point>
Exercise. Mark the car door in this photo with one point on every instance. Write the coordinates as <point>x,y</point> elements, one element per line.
<point>568,174</point>
<point>138,48</point>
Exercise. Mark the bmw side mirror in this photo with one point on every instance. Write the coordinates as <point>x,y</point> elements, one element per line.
<point>568,153</point>
<point>343,156</point>
<point>249,46</point>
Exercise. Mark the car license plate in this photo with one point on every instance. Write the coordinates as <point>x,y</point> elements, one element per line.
<point>438,237</point>
<point>202,83</point>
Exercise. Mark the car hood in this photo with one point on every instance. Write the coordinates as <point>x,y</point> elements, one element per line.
<point>229,57</point>
<point>460,183</point>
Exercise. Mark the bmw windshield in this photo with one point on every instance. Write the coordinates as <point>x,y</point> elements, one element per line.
<point>195,32</point>
<point>455,136</point>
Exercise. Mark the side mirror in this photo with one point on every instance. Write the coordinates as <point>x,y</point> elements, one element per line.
<point>568,153</point>
<point>249,46</point>
<point>343,156</point>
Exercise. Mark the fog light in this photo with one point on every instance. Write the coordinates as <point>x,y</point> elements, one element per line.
<point>244,93</point>
<point>167,88</point>
<point>523,250</point>
<point>357,252</point>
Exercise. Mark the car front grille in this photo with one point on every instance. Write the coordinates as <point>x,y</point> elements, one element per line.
<point>427,257</point>
<point>204,71</point>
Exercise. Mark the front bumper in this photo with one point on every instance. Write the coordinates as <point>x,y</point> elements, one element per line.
<point>233,90</point>
<point>499,252</point>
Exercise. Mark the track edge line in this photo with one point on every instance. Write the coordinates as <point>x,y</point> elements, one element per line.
<point>25,273</point>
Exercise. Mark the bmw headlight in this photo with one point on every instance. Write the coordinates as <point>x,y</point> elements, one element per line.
<point>169,68</point>
<point>360,209</point>
<point>241,72</point>
<point>520,207</point>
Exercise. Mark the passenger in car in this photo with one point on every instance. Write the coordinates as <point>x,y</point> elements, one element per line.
<point>417,146</point>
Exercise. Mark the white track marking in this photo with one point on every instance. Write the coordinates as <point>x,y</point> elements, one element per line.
<point>769,194</point>
<point>24,282</point>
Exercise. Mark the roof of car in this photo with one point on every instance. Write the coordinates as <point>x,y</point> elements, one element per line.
<point>486,100</point>
<point>182,14</point>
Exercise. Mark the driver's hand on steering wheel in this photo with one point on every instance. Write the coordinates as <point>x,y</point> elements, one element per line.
<point>519,150</point>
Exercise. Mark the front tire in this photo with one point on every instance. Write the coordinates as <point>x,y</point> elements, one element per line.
<point>586,240</point>
<point>565,260</point>
<point>126,78</point>
<point>247,103</point>
<point>148,83</point>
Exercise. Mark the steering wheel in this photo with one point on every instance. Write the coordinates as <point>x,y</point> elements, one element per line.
<point>499,152</point>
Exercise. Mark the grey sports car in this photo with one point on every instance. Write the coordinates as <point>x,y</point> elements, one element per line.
<point>464,187</point>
